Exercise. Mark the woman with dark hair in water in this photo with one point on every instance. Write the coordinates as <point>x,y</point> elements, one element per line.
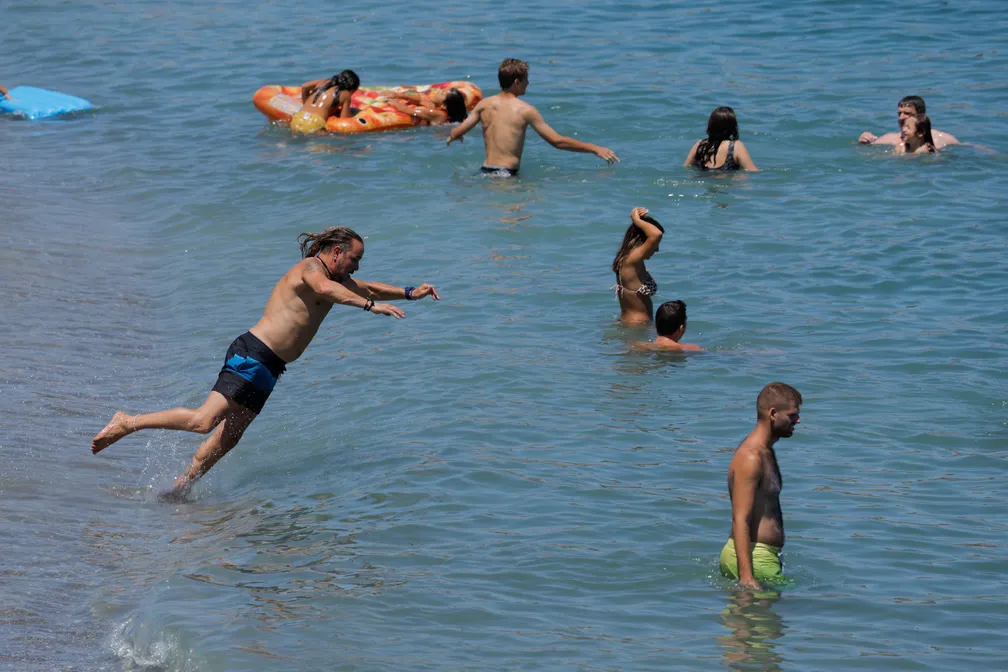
<point>721,149</point>
<point>439,107</point>
<point>915,136</point>
<point>323,98</point>
<point>634,285</point>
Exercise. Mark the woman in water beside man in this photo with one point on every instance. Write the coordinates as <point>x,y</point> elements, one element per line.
<point>635,286</point>
<point>916,137</point>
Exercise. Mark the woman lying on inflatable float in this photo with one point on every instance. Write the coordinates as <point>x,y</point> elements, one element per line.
<point>440,107</point>
<point>378,109</point>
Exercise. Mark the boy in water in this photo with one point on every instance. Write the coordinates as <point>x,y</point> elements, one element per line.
<point>670,323</point>
<point>505,119</point>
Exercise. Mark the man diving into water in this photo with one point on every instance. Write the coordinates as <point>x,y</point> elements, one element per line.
<point>256,359</point>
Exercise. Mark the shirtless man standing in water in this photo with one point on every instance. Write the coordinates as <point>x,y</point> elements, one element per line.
<point>256,359</point>
<point>754,484</point>
<point>505,119</point>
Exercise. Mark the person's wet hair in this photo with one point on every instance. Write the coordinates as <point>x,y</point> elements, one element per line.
<point>633,238</point>
<point>341,236</point>
<point>344,81</point>
<point>511,70</point>
<point>924,131</point>
<point>776,395</point>
<point>915,102</point>
<point>669,317</point>
<point>455,106</point>
<point>721,125</point>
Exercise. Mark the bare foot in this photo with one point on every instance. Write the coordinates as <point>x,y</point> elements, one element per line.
<point>178,492</point>
<point>175,495</point>
<point>118,427</point>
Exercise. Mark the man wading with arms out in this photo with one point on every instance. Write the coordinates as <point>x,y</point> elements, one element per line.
<point>256,359</point>
<point>754,484</point>
<point>505,119</point>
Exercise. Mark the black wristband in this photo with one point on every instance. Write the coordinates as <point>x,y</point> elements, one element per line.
<point>368,304</point>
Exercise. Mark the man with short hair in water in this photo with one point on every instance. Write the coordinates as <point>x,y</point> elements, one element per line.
<point>909,106</point>
<point>296,308</point>
<point>505,119</point>
<point>670,323</point>
<point>754,484</point>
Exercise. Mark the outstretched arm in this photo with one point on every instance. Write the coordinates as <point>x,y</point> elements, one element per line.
<point>467,125</point>
<point>535,120</point>
<point>885,139</point>
<point>743,496</point>
<point>3,92</point>
<point>379,290</point>
<point>429,115</point>
<point>316,277</point>
<point>410,96</point>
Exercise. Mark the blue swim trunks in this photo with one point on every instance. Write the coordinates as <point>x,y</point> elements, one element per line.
<point>249,373</point>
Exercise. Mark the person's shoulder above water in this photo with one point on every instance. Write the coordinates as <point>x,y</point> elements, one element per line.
<point>670,325</point>
<point>665,344</point>
<point>941,139</point>
<point>721,150</point>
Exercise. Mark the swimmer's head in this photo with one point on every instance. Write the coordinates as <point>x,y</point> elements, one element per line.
<point>909,106</point>
<point>344,81</point>
<point>778,404</point>
<point>632,239</point>
<point>722,124</point>
<point>916,132</point>
<point>455,106</point>
<point>512,71</point>
<point>670,319</point>
<point>347,81</point>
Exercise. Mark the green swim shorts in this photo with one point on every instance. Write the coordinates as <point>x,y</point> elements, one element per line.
<point>766,562</point>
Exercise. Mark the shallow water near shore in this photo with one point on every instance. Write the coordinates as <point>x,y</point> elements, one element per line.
<point>497,481</point>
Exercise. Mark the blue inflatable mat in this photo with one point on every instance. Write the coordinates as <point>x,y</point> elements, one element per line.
<point>33,103</point>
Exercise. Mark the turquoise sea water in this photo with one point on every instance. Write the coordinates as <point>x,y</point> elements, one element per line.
<point>497,482</point>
